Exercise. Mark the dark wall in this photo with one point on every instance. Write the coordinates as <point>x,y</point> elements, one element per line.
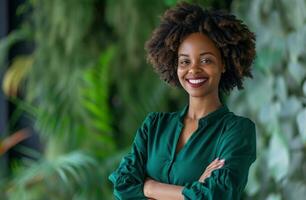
<point>3,103</point>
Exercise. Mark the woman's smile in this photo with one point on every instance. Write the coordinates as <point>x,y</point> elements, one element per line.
<point>196,82</point>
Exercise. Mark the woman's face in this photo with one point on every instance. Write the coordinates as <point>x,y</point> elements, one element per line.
<point>199,65</point>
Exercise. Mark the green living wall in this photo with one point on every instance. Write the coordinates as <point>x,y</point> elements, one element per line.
<point>275,98</point>
<point>87,86</point>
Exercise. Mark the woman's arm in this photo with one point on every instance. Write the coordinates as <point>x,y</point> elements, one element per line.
<point>238,147</point>
<point>162,191</point>
<point>128,179</point>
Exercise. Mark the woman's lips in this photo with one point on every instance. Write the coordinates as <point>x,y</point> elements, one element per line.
<point>196,82</point>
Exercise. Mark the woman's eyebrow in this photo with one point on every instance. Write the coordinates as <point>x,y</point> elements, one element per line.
<point>181,54</point>
<point>204,53</point>
<point>201,54</point>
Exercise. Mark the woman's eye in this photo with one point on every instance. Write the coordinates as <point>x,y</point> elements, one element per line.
<point>206,61</point>
<point>184,62</point>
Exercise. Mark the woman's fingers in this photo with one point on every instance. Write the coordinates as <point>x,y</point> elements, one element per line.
<point>214,167</point>
<point>216,164</point>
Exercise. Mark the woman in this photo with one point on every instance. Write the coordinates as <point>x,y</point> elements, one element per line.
<point>203,151</point>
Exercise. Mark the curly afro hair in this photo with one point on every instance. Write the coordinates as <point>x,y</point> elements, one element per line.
<point>231,36</point>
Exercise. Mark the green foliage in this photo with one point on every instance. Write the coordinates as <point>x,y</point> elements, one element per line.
<point>95,95</point>
<point>12,38</point>
<point>69,172</point>
<point>274,99</point>
<point>63,51</point>
<point>67,95</point>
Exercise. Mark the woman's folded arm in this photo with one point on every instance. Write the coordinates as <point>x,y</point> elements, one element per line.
<point>238,147</point>
<point>128,179</point>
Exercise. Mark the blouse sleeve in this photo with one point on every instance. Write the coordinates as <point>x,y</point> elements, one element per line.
<point>128,178</point>
<point>238,147</point>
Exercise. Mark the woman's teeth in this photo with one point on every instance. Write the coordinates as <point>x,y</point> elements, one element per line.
<point>196,81</point>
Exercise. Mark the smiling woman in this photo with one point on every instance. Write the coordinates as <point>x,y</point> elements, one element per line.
<point>203,151</point>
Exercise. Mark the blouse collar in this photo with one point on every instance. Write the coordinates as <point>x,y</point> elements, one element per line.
<point>210,117</point>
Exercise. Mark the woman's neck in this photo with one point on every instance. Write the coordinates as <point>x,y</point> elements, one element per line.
<point>200,107</point>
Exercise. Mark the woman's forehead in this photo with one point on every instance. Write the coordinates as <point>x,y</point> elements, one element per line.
<point>199,43</point>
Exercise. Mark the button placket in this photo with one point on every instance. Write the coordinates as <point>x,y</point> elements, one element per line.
<point>173,153</point>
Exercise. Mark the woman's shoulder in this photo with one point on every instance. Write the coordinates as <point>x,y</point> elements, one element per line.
<point>155,117</point>
<point>163,115</point>
<point>236,121</point>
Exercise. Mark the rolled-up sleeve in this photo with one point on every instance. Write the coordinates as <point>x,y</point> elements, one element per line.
<point>128,178</point>
<point>238,147</point>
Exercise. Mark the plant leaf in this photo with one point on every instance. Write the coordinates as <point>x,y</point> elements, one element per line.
<point>301,122</point>
<point>278,157</point>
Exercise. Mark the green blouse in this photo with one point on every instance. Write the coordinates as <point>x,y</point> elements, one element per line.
<point>219,134</point>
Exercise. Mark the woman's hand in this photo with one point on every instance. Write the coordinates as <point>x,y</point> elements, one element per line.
<point>216,164</point>
<point>147,188</point>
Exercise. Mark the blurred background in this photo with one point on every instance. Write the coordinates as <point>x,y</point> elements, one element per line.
<point>75,86</point>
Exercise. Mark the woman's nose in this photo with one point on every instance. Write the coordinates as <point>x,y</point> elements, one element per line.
<point>194,68</point>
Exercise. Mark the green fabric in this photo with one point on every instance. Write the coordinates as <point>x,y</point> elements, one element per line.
<point>220,134</point>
